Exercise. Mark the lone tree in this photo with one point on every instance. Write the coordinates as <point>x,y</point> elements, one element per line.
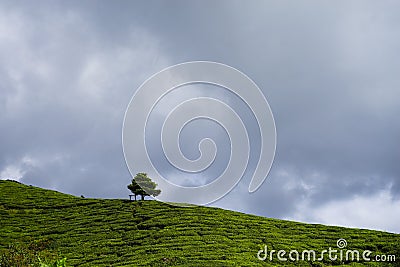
<point>143,186</point>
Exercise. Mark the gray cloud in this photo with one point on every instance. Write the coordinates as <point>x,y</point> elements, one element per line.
<point>328,70</point>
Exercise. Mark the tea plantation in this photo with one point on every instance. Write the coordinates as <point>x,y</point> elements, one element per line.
<point>115,232</point>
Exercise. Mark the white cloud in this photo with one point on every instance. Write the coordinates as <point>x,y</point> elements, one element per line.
<point>378,211</point>
<point>18,169</point>
<point>11,172</point>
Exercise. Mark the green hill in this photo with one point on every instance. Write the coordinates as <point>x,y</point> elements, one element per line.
<point>115,232</point>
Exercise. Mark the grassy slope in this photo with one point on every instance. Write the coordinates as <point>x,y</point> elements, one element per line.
<point>100,232</point>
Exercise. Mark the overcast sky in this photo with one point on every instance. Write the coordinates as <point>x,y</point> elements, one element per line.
<point>329,69</point>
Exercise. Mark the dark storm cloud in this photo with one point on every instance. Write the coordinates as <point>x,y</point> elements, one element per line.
<point>64,96</point>
<point>328,70</point>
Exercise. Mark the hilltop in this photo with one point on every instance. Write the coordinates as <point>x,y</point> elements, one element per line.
<point>115,232</point>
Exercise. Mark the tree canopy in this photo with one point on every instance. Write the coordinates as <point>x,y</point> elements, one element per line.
<point>142,185</point>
